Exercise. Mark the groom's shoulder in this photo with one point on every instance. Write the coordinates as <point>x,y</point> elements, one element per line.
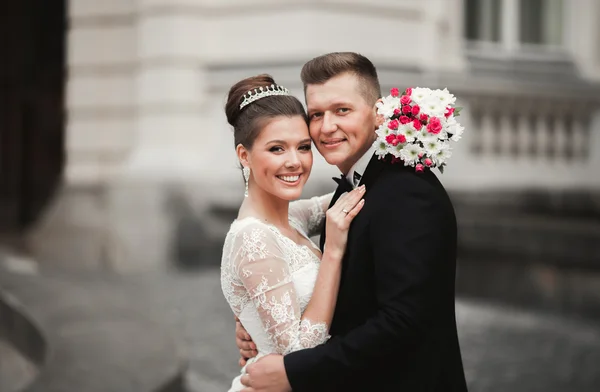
<point>406,178</point>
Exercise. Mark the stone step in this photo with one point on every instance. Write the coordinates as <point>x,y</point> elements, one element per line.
<point>526,237</point>
<point>92,333</point>
<point>16,371</point>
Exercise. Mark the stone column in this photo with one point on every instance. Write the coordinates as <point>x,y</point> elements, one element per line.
<point>510,25</point>
<point>100,104</point>
<point>139,141</point>
<point>160,182</point>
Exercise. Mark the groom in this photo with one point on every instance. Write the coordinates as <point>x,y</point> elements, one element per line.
<point>394,327</point>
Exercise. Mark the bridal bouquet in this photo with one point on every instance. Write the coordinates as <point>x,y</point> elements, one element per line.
<point>418,127</point>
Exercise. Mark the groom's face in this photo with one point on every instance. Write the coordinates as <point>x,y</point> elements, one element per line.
<point>341,121</point>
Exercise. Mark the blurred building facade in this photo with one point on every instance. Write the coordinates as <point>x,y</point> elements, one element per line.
<point>150,173</point>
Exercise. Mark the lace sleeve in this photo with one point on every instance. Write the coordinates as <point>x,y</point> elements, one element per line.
<point>264,271</point>
<point>309,214</point>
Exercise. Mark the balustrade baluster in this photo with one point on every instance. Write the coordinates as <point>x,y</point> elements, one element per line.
<point>542,136</point>
<point>488,133</point>
<point>524,137</point>
<point>579,139</point>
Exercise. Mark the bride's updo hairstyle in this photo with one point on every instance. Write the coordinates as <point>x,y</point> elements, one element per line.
<point>250,119</point>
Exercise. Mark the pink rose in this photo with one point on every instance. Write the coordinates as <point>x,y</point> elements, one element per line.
<point>434,126</point>
<point>405,100</point>
<point>408,91</point>
<point>428,162</point>
<point>417,124</point>
<point>401,138</point>
<point>449,112</point>
<point>394,92</point>
<point>415,110</point>
<point>423,117</point>
<point>406,109</point>
<point>404,120</point>
<point>421,155</point>
<point>397,112</point>
<point>419,167</point>
<point>390,138</point>
<point>393,124</point>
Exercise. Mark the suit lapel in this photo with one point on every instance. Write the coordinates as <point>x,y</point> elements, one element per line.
<point>372,171</point>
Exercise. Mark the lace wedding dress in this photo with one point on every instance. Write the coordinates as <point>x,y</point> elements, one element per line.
<point>268,279</point>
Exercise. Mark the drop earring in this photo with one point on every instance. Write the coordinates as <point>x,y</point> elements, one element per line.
<point>246,172</point>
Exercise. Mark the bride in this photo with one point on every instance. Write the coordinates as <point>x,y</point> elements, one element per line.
<point>275,279</point>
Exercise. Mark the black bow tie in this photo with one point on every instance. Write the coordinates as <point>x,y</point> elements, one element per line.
<point>343,184</point>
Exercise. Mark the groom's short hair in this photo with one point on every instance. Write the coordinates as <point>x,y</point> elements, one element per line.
<point>320,69</point>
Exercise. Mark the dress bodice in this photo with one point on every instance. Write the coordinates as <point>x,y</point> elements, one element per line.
<point>268,279</point>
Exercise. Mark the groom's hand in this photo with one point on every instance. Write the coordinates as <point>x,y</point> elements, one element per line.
<point>266,375</point>
<point>244,343</point>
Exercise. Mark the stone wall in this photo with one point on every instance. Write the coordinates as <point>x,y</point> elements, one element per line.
<point>152,176</point>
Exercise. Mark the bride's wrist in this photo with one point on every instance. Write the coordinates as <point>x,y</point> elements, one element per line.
<point>332,252</point>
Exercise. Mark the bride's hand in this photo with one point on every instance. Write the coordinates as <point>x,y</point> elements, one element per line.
<point>339,218</point>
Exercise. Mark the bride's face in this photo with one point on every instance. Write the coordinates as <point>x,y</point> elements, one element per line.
<point>281,158</point>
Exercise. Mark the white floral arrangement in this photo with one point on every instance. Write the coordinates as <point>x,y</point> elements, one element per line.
<point>418,127</point>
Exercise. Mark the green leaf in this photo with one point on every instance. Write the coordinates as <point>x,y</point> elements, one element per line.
<point>441,168</point>
<point>457,111</point>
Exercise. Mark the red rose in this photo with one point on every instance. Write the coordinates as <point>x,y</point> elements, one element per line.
<point>406,109</point>
<point>449,112</point>
<point>419,167</point>
<point>397,112</point>
<point>417,124</point>
<point>405,99</point>
<point>395,92</point>
<point>423,117</point>
<point>393,124</point>
<point>415,110</point>
<point>408,91</point>
<point>434,126</point>
<point>390,138</point>
<point>404,120</point>
<point>428,162</point>
<point>401,138</point>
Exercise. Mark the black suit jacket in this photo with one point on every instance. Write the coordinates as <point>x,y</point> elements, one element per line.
<point>394,327</point>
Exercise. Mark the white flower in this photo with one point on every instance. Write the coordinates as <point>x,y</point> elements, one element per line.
<point>383,131</point>
<point>410,154</point>
<point>441,157</point>
<point>432,147</point>
<point>395,150</point>
<point>424,136</point>
<point>409,132</point>
<point>381,148</point>
<point>419,94</point>
<point>443,135</point>
<point>456,130</point>
<point>387,106</point>
<point>432,107</point>
<point>444,97</point>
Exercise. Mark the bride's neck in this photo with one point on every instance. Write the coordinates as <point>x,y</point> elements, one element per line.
<point>266,207</point>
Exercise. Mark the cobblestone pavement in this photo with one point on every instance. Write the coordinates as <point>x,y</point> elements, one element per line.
<point>15,370</point>
<point>504,349</point>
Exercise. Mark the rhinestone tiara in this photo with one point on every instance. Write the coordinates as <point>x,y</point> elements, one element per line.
<point>261,92</point>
